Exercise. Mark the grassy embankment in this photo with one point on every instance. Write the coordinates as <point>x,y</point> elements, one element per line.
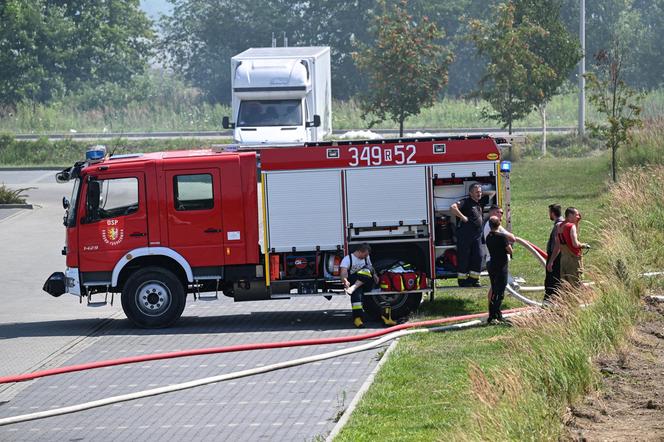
<point>499,383</point>
<point>63,153</point>
<point>185,112</point>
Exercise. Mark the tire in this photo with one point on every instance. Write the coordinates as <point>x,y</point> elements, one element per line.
<point>153,297</point>
<point>402,304</point>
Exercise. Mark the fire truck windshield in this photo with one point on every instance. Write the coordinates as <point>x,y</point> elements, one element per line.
<point>270,113</point>
<point>70,213</point>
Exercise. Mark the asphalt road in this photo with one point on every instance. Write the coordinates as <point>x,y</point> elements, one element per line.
<point>39,331</point>
<point>496,132</point>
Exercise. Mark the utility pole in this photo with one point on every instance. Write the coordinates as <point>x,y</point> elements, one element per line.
<point>582,70</point>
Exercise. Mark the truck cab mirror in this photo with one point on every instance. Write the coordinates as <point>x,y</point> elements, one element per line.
<point>315,123</point>
<point>226,123</point>
<point>65,203</point>
<point>92,200</point>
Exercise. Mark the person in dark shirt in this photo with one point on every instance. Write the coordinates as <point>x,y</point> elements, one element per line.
<point>469,237</point>
<point>499,247</point>
<point>552,279</point>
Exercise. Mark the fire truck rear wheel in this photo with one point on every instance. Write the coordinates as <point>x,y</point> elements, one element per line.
<point>153,297</point>
<point>402,304</point>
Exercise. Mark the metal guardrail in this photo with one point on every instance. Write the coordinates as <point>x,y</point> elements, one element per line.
<point>228,133</point>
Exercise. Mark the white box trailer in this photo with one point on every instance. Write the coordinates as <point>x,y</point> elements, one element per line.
<point>281,96</point>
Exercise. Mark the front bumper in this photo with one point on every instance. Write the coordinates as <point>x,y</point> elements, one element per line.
<point>60,283</point>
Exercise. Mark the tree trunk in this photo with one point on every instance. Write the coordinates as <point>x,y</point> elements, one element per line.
<point>614,165</point>
<point>542,109</point>
<point>401,127</point>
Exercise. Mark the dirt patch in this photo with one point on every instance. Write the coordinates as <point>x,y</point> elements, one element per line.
<point>630,403</point>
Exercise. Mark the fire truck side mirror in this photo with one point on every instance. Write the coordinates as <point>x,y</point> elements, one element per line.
<point>92,200</point>
<point>315,123</point>
<point>226,123</point>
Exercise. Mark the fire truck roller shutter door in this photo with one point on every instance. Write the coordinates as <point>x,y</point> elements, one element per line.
<point>304,210</point>
<point>387,196</point>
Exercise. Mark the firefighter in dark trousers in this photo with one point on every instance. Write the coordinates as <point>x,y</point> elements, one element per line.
<point>500,248</point>
<point>358,276</point>
<point>552,279</point>
<point>469,237</point>
<point>498,213</point>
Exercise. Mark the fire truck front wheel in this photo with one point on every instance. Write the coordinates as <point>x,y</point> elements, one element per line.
<point>153,297</point>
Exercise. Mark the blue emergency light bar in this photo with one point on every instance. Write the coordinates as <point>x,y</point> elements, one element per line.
<point>95,154</point>
<point>506,166</point>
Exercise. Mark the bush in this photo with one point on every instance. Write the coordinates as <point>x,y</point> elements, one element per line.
<point>65,152</point>
<point>561,146</point>
<point>13,196</point>
<point>646,146</point>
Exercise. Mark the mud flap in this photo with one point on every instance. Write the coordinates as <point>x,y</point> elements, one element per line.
<point>55,285</point>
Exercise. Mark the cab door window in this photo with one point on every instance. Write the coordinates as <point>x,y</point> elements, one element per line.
<point>111,198</point>
<point>193,192</point>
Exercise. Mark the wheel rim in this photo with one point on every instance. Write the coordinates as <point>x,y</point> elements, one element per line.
<point>153,298</point>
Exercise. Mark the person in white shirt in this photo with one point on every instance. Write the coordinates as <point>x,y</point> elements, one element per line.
<point>358,275</point>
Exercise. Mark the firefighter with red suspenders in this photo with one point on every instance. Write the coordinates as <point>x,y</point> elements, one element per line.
<point>469,237</point>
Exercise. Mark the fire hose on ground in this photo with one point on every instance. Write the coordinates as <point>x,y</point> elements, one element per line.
<point>387,335</point>
<point>383,336</point>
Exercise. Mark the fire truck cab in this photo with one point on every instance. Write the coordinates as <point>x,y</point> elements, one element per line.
<point>258,226</point>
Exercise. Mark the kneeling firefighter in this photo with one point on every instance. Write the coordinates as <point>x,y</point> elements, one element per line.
<point>359,276</point>
<point>469,237</point>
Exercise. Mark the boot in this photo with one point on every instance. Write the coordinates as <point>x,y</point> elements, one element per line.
<point>386,316</point>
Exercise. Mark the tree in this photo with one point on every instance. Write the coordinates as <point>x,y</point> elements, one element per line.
<point>200,37</point>
<point>50,47</point>
<point>513,71</point>
<point>555,47</point>
<point>405,67</point>
<point>614,99</point>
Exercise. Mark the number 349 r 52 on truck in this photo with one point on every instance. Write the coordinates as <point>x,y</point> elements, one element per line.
<point>156,227</point>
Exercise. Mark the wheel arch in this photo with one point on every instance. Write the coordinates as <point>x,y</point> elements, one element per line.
<point>151,256</point>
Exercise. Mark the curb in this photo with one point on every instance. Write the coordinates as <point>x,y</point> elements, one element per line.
<point>15,206</point>
<point>345,417</point>
<point>30,168</point>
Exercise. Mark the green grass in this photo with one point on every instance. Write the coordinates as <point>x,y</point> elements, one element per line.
<point>65,152</point>
<point>514,383</point>
<point>188,113</point>
<point>578,182</point>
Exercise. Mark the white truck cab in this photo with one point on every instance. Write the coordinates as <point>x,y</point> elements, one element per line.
<point>281,95</point>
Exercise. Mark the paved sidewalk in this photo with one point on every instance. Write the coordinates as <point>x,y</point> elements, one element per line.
<point>295,404</point>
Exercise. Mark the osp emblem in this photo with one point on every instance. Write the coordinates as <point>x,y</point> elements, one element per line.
<point>112,233</point>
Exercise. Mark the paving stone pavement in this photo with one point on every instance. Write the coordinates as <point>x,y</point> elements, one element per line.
<point>294,404</point>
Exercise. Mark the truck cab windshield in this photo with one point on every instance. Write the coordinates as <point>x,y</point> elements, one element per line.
<point>270,113</point>
<point>70,212</point>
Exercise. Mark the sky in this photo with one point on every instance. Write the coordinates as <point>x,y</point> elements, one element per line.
<point>155,7</point>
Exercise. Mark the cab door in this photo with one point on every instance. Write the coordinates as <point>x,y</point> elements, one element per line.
<point>195,228</point>
<point>114,222</point>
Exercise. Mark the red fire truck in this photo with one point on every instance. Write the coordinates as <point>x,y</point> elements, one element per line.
<point>156,227</point>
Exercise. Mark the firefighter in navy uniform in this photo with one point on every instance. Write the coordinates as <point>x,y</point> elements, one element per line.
<point>469,237</point>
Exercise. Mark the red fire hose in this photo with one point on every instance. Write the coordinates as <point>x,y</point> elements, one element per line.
<point>237,348</point>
